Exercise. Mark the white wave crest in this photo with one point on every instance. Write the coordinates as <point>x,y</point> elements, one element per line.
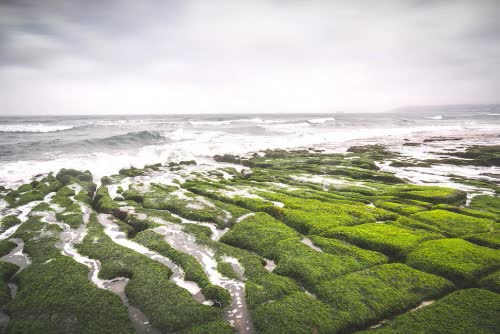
<point>38,127</point>
<point>438,117</point>
<point>321,120</point>
<point>210,122</point>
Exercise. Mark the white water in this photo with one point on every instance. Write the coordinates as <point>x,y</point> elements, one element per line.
<point>37,127</point>
<point>309,243</point>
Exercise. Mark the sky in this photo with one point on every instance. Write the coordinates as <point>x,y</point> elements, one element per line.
<point>236,56</point>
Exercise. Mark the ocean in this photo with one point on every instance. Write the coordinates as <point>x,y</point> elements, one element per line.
<point>36,145</point>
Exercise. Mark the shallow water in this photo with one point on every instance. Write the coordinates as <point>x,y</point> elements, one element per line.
<point>113,231</point>
<point>16,256</point>
<point>237,313</point>
<point>309,243</point>
<point>270,265</point>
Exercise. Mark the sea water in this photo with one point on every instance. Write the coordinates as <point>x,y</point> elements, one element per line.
<point>35,145</point>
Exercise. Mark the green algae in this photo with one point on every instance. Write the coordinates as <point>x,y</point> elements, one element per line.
<point>488,239</point>
<point>454,224</point>
<point>167,306</point>
<point>491,282</point>
<point>391,240</point>
<point>361,298</point>
<point>461,312</point>
<point>458,260</point>
<point>296,313</point>
<point>486,203</point>
<point>6,246</point>
<point>8,221</point>
<point>360,221</point>
<point>55,295</point>
<point>7,270</point>
<point>192,268</point>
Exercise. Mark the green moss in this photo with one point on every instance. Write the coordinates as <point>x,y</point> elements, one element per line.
<point>70,176</point>
<point>454,224</point>
<point>8,221</point>
<point>6,246</point>
<point>43,206</point>
<point>480,155</point>
<point>48,185</point>
<point>466,211</point>
<point>261,286</point>
<point>296,313</point>
<point>30,196</point>
<point>131,172</point>
<point>391,240</point>
<point>187,162</point>
<point>133,195</point>
<point>106,180</point>
<point>456,259</point>
<point>215,327</point>
<point>402,209</point>
<point>488,239</point>
<point>25,188</point>
<point>361,298</point>
<point>226,269</point>
<point>478,183</point>
<point>73,219</point>
<point>311,267</point>
<point>193,207</point>
<point>313,216</point>
<point>430,194</point>
<point>168,306</point>
<point>486,203</point>
<point>221,296</point>
<point>192,268</point>
<point>373,151</point>
<point>259,233</point>
<point>340,248</point>
<point>56,296</point>
<point>104,203</point>
<point>491,282</point>
<point>84,197</point>
<point>461,312</point>
<point>62,197</point>
<point>7,270</point>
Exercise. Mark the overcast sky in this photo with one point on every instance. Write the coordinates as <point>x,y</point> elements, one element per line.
<point>199,56</point>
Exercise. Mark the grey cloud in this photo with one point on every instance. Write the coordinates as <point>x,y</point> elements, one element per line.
<point>237,56</point>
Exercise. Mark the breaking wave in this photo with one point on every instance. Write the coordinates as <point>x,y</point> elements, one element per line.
<point>34,127</point>
<point>437,118</point>
<point>321,120</point>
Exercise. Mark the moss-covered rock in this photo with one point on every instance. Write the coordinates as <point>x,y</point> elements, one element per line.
<point>488,239</point>
<point>388,239</point>
<point>169,307</point>
<point>454,224</point>
<point>458,260</point>
<point>296,313</point>
<point>361,298</point>
<point>491,282</point>
<point>461,312</point>
<point>55,294</point>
